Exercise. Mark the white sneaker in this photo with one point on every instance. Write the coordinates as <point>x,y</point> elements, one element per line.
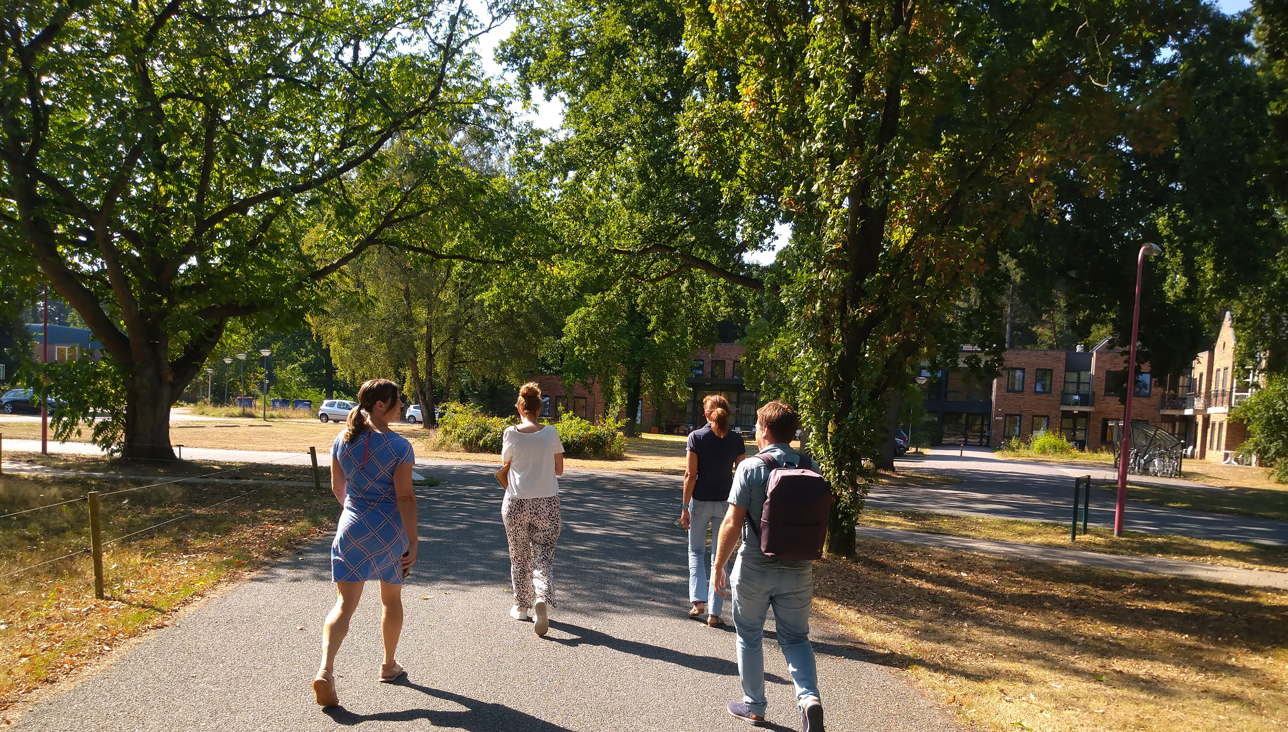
<point>542,623</point>
<point>518,614</point>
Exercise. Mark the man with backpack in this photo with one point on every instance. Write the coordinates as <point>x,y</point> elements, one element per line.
<point>780,505</point>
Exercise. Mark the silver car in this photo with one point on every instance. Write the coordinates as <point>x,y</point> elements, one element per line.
<point>335,410</point>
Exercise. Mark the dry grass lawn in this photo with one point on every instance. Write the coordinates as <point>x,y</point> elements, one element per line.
<point>1132,543</point>
<point>50,622</point>
<point>1010,645</point>
<point>1230,476</point>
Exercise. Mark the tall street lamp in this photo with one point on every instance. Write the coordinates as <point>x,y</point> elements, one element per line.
<point>921,381</point>
<point>227,373</point>
<point>265,353</point>
<point>1148,250</point>
<point>241,391</point>
<point>210,375</point>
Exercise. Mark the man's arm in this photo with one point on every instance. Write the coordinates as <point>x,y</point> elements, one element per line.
<point>730,528</point>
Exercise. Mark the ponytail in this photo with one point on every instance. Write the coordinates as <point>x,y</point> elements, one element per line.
<point>375,390</point>
<point>717,410</point>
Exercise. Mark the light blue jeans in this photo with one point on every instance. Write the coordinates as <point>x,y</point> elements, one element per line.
<point>790,592</point>
<point>702,514</point>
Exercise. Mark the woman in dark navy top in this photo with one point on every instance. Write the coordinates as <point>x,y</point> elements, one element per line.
<point>713,452</point>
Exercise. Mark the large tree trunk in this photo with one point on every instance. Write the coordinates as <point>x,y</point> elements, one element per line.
<point>886,459</point>
<point>147,415</point>
<point>633,380</point>
<point>427,399</point>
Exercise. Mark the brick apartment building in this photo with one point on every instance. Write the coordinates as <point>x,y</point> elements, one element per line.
<point>1202,399</point>
<point>713,371</point>
<point>1078,394</point>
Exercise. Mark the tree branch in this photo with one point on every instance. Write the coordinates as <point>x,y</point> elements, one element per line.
<point>697,263</point>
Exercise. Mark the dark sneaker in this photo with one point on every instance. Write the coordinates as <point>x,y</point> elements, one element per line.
<point>812,716</point>
<point>743,712</point>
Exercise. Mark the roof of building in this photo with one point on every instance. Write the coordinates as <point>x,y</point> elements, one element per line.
<point>63,335</point>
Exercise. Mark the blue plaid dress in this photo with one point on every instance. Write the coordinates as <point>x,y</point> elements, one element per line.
<point>370,537</point>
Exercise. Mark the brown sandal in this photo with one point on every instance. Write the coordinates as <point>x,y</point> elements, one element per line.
<point>714,621</point>
<point>697,609</point>
<point>324,690</point>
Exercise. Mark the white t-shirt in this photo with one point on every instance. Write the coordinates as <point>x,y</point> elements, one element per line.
<point>532,461</point>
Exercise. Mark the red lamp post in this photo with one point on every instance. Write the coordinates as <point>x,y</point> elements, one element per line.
<point>44,359</point>
<point>1124,447</point>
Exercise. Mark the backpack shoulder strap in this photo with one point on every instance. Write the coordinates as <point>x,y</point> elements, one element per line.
<point>771,463</point>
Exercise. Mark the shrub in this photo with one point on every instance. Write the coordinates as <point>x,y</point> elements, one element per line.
<point>464,427</point>
<point>582,439</point>
<point>1266,414</point>
<point>1050,443</point>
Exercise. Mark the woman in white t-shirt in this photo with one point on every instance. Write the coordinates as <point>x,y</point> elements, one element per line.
<point>531,508</point>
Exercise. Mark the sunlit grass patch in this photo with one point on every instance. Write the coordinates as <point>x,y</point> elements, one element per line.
<point>1065,648</point>
<point>50,622</point>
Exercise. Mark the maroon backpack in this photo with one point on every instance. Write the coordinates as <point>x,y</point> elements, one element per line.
<point>793,521</point>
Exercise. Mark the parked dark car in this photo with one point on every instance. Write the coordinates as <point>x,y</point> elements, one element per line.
<point>22,401</point>
<point>901,444</point>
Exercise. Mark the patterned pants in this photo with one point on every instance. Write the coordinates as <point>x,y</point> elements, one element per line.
<point>532,525</point>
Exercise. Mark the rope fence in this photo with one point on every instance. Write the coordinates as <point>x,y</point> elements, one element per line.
<point>93,499</point>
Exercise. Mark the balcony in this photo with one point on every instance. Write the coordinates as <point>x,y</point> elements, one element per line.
<point>1075,401</point>
<point>1218,399</point>
<point>1239,397</point>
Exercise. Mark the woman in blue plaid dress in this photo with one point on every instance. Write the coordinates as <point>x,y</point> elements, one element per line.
<point>376,538</point>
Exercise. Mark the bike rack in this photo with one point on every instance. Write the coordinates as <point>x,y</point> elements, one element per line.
<point>1083,484</point>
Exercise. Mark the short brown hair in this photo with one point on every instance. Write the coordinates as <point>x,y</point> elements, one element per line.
<point>779,421</point>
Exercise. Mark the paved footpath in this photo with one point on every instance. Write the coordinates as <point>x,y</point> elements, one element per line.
<point>998,488</point>
<point>620,654</point>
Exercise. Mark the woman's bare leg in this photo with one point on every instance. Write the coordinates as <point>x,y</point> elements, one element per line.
<point>391,618</point>
<point>337,623</point>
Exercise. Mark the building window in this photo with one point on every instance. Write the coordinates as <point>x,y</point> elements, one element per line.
<point>1015,381</point>
<point>1041,424</point>
<point>1116,383</point>
<point>717,369</point>
<point>1042,379</point>
<point>1220,436</point>
<point>964,387</point>
<point>1011,426</point>
<point>1144,385</point>
<point>579,407</point>
<point>1077,382</point>
<point>737,369</point>
<point>561,403</point>
<point>698,368</point>
<point>1074,428</point>
<point>545,406</point>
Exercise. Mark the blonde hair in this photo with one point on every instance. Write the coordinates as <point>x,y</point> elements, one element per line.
<point>375,390</point>
<point>529,399</point>
<point>717,410</point>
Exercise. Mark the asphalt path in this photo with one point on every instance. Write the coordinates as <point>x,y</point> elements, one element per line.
<point>997,488</point>
<point>620,655</point>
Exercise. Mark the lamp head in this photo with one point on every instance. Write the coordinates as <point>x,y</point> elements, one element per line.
<point>265,352</point>
<point>1152,249</point>
<point>921,380</point>
<point>228,360</point>
<point>241,357</point>
<point>210,371</point>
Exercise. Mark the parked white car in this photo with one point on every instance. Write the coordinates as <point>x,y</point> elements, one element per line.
<point>414,415</point>
<point>335,410</point>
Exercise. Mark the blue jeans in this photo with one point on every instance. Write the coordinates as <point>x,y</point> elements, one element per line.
<point>790,592</point>
<point>702,513</point>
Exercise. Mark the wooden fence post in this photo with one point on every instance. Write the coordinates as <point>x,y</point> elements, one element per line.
<point>317,477</point>
<point>96,544</point>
